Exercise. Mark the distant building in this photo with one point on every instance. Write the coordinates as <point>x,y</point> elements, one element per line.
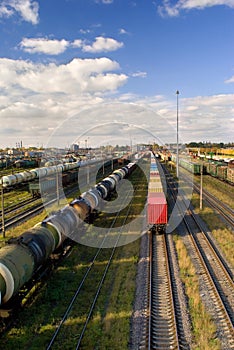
<point>33,154</point>
<point>74,147</point>
<point>13,152</point>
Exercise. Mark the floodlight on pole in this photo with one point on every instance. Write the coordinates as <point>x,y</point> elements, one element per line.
<point>177,135</point>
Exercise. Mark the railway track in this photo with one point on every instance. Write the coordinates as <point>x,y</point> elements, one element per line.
<point>214,273</point>
<point>17,219</point>
<point>16,214</point>
<point>226,212</point>
<point>218,278</point>
<point>166,319</point>
<point>13,216</point>
<point>162,333</point>
<point>223,209</point>
<point>14,207</point>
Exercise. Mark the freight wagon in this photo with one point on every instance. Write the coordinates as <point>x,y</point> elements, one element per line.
<point>192,167</point>
<point>230,175</point>
<point>4,163</point>
<point>156,202</point>
<point>25,163</point>
<point>220,170</point>
<point>49,184</point>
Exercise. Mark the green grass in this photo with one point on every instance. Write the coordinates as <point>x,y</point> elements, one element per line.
<point>223,235</point>
<point>110,326</point>
<point>14,197</point>
<point>220,189</point>
<point>203,328</point>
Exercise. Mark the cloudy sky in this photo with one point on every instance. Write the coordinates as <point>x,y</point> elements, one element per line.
<point>107,71</point>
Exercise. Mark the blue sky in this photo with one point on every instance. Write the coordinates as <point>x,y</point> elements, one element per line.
<point>108,70</point>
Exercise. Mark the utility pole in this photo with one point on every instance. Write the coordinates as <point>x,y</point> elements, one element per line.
<point>201,185</point>
<point>57,186</point>
<point>3,217</point>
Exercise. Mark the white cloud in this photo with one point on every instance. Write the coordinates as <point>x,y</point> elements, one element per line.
<point>139,74</point>
<point>27,9</point>
<point>36,98</point>
<point>231,80</point>
<point>167,9</point>
<point>77,76</point>
<point>44,45</point>
<point>55,47</point>
<point>200,118</point>
<point>192,108</point>
<point>5,11</point>
<point>102,44</point>
<point>77,43</point>
<point>123,31</point>
<point>172,10</point>
<point>105,2</point>
<point>85,31</point>
<point>200,4</point>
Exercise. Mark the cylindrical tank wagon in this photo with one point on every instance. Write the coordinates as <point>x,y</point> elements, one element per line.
<point>24,255</point>
<point>11,180</point>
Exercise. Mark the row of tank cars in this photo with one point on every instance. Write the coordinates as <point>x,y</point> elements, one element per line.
<point>12,180</point>
<point>18,163</point>
<point>49,183</point>
<point>222,170</point>
<point>25,176</point>
<point>157,203</point>
<point>23,256</point>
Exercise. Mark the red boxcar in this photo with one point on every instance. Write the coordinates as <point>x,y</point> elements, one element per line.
<point>157,209</point>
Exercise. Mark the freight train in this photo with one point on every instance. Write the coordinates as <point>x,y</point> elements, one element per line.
<point>23,256</point>
<point>25,163</point>
<point>221,170</point>
<point>157,203</point>
<point>19,163</point>
<point>25,176</point>
<point>50,183</point>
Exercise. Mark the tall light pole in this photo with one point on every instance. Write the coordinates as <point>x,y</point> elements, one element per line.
<point>201,185</point>
<point>177,136</point>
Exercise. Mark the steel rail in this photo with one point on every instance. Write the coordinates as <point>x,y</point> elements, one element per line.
<point>163,326</point>
<point>219,297</point>
<point>226,212</point>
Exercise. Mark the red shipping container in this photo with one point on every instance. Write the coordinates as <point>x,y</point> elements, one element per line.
<point>157,209</point>
<point>153,194</point>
